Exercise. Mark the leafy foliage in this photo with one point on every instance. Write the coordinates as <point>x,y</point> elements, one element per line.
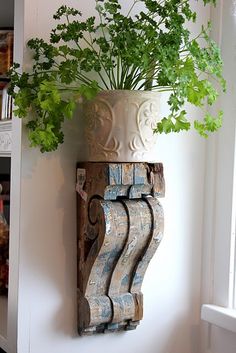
<point>152,50</point>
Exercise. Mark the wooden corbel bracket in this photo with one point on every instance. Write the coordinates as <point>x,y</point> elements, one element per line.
<point>120,226</point>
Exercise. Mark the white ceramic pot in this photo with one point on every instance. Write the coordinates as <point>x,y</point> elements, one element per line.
<point>119,126</point>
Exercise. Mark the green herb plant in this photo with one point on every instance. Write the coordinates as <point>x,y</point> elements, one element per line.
<point>148,50</point>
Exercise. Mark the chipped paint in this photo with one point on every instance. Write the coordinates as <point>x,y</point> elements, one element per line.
<point>120,227</point>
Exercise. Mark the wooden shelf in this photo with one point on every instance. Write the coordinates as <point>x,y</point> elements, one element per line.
<point>3,322</point>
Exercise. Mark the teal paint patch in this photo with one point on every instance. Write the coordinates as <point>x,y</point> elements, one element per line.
<point>115,174</point>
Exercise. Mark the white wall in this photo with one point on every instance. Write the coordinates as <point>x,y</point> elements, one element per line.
<point>47,231</point>
<point>219,188</point>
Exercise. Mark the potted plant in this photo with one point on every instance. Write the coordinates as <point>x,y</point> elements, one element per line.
<point>121,62</point>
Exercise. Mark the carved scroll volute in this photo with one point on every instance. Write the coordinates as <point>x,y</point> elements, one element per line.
<point>102,258</point>
<point>152,245</point>
<point>144,235</point>
<point>92,289</point>
<point>139,220</point>
<point>141,266</point>
<point>117,239</point>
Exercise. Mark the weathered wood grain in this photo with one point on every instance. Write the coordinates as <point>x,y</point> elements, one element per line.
<point>120,225</point>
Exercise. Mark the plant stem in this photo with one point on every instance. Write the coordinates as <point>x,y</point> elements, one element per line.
<point>134,3</point>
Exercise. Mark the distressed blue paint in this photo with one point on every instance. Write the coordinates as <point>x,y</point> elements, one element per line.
<point>107,207</point>
<point>137,191</point>
<point>108,276</point>
<point>115,174</point>
<point>110,261</point>
<point>139,179</point>
<point>125,281</point>
<point>140,174</point>
<point>105,255</point>
<point>113,327</point>
<point>137,280</point>
<point>127,299</point>
<point>111,192</point>
<point>106,311</point>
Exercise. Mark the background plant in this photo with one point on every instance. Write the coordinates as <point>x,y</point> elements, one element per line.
<point>152,50</point>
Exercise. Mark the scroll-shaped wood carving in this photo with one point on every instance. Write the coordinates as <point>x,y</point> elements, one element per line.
<point>120,225</point>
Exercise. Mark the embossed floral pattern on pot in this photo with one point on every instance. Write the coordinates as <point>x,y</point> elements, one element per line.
<point>119,126</point>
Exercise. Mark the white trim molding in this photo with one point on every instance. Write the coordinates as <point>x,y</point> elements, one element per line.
<point>219,316</point>
<point>218,262</point>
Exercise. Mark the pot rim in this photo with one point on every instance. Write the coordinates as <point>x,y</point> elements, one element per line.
<point>127,91</point>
